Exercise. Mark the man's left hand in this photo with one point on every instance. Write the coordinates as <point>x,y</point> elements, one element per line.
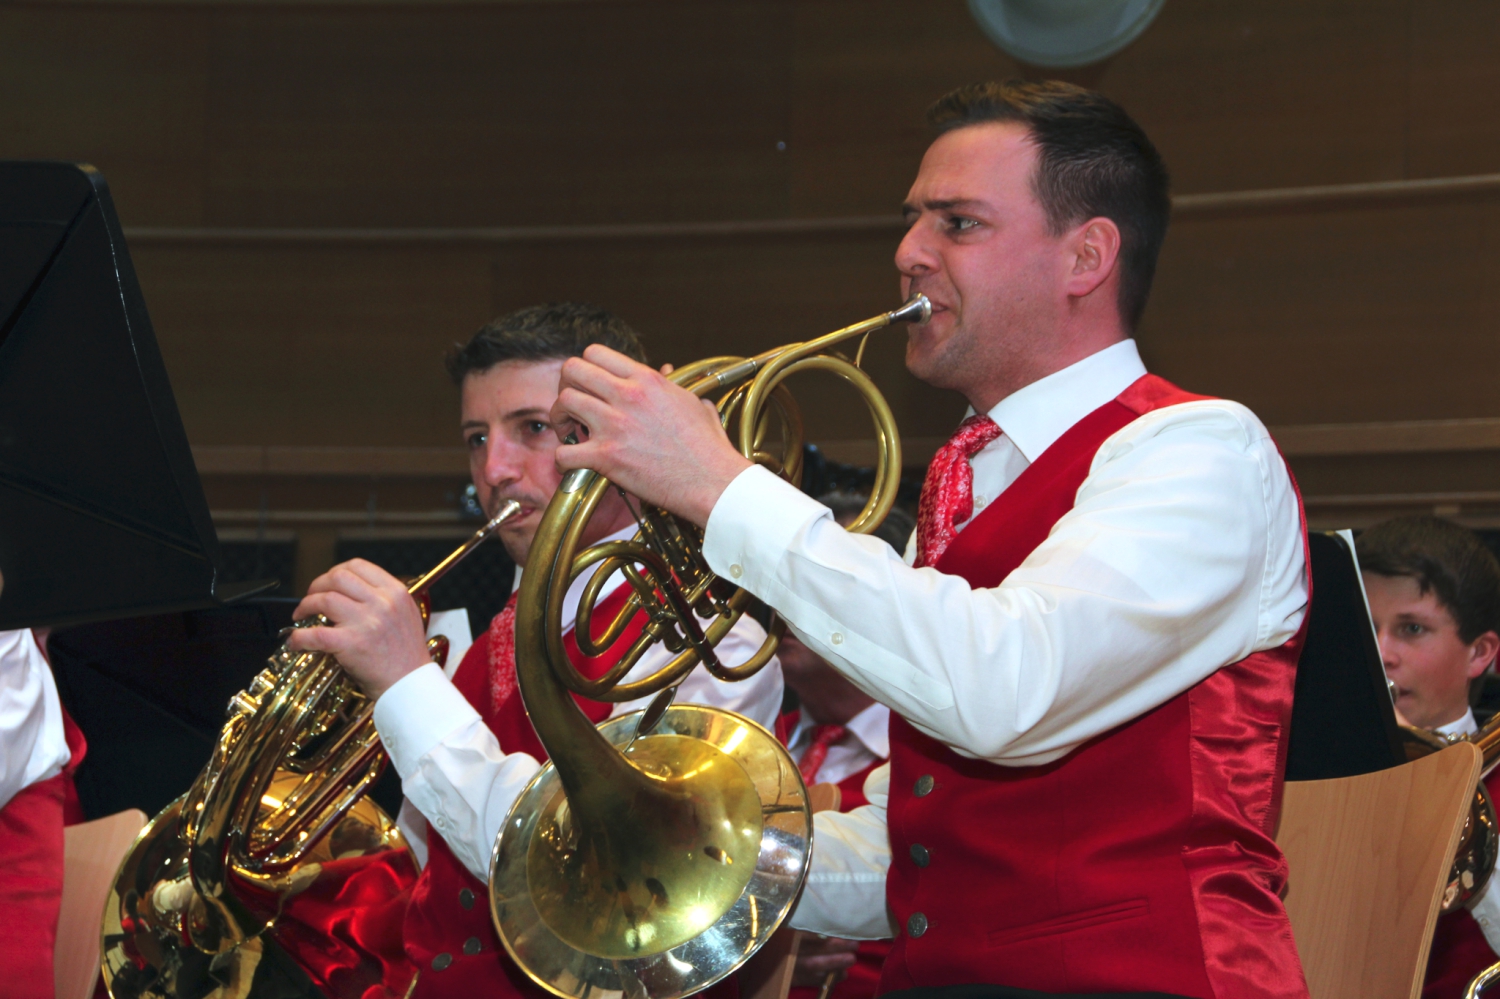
<point>654,439</point>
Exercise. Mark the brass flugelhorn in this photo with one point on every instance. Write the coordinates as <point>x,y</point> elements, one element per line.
<point>653,856</point>
<point>282,795</point>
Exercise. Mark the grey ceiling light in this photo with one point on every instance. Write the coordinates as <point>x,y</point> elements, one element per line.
<point>1060,34</point>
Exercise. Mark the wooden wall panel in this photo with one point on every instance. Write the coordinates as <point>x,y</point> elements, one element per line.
<point>308,345</point>
<point>509,114</point>
<point>122,88</point>
<point>1364,315</point>
<point>535,113</point>
<point>697,298</point>
<point>661,110</point>
<point>1280,93</point>
<point>1454,122</point>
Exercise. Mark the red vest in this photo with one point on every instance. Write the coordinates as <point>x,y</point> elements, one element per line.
<point>1459,949</point>
<point>449,913</point>
<point>31,879</point>
<point>1143,860</point>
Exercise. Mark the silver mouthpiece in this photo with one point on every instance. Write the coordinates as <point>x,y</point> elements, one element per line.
<point>916,310</point>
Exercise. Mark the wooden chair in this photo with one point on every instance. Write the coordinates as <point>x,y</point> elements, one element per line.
<point>1369,859</point>
<point>92,852</point>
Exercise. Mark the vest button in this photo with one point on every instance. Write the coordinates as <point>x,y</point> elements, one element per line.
<point>924,786</point>
<point>919,855</point>
<point>444,959</point>
<point>472,946</point>
<point>916,925</point>
<point>466,898</point>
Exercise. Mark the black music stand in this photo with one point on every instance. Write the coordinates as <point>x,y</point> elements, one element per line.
<point>1343,721</point>
<point>102,514</point>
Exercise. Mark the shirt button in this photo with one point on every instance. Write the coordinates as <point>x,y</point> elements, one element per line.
<point>466,899</point>
<point>736,570</point>
<point>444,959</point>
<point>916,925</point>
<point>837,638</point>
<point>924,786</point>
<point>472,946</point>
<point>980,501</point>
<point>919,855</point>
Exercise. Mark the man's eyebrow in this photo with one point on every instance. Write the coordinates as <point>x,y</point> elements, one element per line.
<point>943,205</point>
<point>528,412</point>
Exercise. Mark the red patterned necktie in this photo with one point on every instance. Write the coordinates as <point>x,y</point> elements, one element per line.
<point>948,492</point>
<point>823,737</point>
<point>503,655</point>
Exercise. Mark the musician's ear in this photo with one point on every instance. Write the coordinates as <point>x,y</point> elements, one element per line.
<point>1095,250</point>
<point>1482,653</point>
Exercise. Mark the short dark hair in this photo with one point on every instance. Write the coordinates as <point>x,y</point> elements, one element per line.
<point>895,530</point>
<point>1444,558</point>
<point>542,333</point>
<point>1093,161</point>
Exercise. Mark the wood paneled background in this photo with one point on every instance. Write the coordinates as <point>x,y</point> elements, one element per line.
<point>321,197</point>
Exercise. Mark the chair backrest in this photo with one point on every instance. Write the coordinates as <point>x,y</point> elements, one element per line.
<point>92,852</point>
<point>1369,859</point>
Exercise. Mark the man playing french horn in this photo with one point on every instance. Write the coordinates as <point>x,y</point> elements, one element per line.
<point>1090,647</point>
<point>465,748</point>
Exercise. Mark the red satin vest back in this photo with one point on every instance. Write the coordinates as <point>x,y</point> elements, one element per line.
<point>449,913</point>
<point>1142,861</point>
<point>31,841</point>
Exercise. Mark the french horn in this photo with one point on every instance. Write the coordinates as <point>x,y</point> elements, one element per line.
<point>280,802</point>
<point>653,856</point>
<point>1479,843</point>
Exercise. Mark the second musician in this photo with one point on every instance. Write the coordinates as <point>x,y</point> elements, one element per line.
<point>465,749</point>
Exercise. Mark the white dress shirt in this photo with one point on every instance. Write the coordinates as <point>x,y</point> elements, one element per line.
<point>867,740</point>
<point>1183,552</point>
<point>453,771</point>
<point>33,745</point>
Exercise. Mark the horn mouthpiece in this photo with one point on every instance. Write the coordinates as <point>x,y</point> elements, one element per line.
<point>918,309</point>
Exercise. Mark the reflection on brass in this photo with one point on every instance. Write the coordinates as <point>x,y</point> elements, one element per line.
<point>611,899</point>
<point>657,871</point>
<point>281,796</point>
<point>1478,844</point>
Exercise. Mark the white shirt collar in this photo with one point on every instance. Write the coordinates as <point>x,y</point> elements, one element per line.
<point>872,727</point>
<point>1464,726</point>
<point>1034,417</point>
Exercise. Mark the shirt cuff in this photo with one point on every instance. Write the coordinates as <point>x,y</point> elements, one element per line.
<point>753,525</point>
<point>418,712</point>
<point>1486,912</point>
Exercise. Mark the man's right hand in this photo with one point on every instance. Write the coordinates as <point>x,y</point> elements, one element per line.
<point>377,631</point>
<point>818,957</point>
